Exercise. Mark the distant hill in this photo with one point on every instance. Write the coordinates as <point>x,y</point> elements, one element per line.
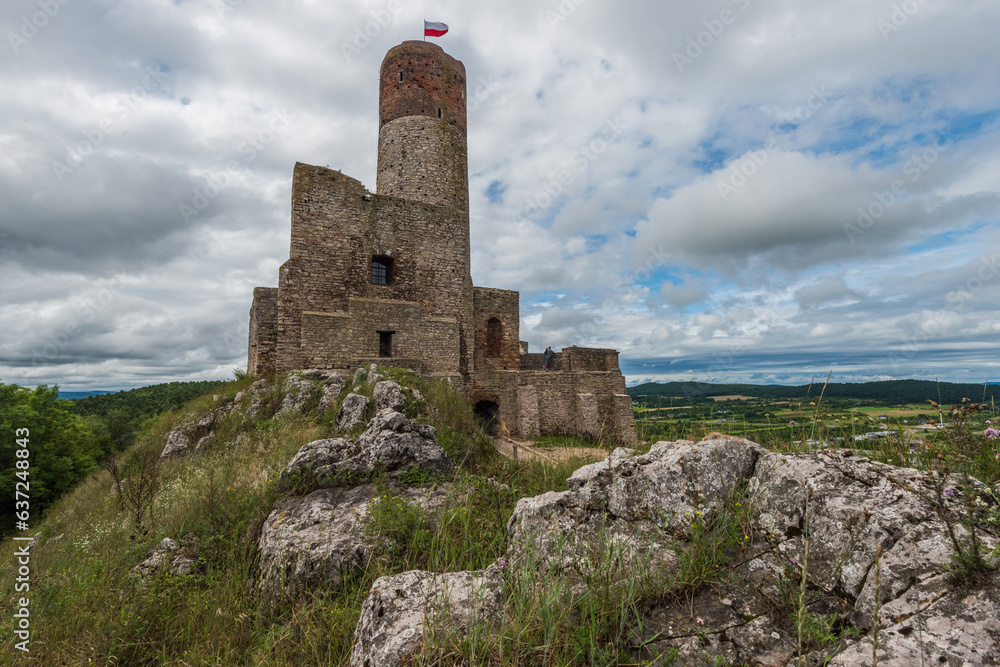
<point>77,395</point>
<point>144,401</point>
<point>889,391</point>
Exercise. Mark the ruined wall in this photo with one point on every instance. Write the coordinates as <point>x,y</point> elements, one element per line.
<point>590,359</point>
<point>535,403</point>
<point>263,346</point>
<point>337,227</point>
<point>503,305</point>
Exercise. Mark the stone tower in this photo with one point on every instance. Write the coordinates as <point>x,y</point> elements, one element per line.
<point>422,145</point>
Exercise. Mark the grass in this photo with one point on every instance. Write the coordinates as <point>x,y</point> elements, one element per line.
<point>87,607</point>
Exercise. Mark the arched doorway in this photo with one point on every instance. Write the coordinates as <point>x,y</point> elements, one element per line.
<point>486,411</point>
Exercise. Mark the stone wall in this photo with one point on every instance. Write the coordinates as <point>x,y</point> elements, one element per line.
<point>503,305</point>
<point>263,332</point>
<point>532,403</point>
<point>337,228</point>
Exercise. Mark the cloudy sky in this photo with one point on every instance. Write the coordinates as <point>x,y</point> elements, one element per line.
<point>730,190</point>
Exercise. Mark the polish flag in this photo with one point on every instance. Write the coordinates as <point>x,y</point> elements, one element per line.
<point>434,29</point>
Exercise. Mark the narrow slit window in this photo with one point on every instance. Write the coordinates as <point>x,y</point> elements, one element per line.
<point>439,112</point>
<point>401,77</point>
<point>381,270</point>
<point>494,337</point>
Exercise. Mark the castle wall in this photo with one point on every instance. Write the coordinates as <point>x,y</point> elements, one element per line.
<point>533,403</point>
<point>337,228</point>
<point>503,305</point>
<point>263,346</point>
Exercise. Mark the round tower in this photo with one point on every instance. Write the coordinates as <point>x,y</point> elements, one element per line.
<point>422,147</point>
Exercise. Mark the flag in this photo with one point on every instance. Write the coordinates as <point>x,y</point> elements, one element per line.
<point>434,29</point>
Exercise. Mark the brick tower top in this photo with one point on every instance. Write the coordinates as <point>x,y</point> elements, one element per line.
<point>422,143</point>
<point>420,79</point>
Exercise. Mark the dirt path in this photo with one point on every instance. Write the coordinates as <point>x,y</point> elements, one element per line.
<point>527,449</point>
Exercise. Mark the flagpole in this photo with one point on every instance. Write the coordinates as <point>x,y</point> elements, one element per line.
<point>425,30</point>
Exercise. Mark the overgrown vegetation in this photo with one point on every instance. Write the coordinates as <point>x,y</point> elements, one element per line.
<point>87,606</point>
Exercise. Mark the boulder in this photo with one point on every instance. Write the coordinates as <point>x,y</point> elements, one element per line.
<point>320,453</point>
<point>388,394</point>
<point>321,538</point>
<point>399,608</point>
<point>178,443</point>
<point>392,444</point>
<point>352,411</point>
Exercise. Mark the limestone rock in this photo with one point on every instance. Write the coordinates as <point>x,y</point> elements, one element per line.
<point>320,453</point>
<point>393,444</point>
<point>178,443</point>
<point>388,394</point>
<point>331,390</point>
<point>639,510</point>
<point>649,501</point>
<point>167,554</point>
<point>954,626</point>
<point>352,411</point>
<point>396,610</point>
<point>298,390</point>
<point>318,539</point>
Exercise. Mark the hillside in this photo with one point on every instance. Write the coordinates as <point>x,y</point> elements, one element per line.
<point>369,521</point>
<point>891,392</point>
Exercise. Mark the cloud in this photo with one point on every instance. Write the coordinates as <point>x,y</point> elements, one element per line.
<point>812,184</point>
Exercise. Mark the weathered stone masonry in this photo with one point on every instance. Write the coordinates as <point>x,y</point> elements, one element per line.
<point>386,276</point>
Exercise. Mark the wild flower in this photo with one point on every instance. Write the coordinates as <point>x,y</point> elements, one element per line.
<point>992,434</point>
<point>949,492</point>
<point>793,423</point>
<point>699,620</point>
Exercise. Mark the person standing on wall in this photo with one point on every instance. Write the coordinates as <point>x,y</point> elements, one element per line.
<point>548,357</point>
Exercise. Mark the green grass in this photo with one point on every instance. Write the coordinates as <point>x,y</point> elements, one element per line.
<point>87,608</point>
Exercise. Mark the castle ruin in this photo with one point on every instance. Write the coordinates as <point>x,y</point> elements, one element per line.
<point>385,277</point>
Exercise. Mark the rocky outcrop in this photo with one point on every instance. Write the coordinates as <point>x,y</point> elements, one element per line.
<point>180,439</point>
<point>319,453</point>
<point>298,390</point>
<point>392,444</point>
<point>632,506</point>
<point>352,411</point>
<point>321,538</point>
<point>399,608</point>
<point>859,517</point>
<point>388,395</point>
